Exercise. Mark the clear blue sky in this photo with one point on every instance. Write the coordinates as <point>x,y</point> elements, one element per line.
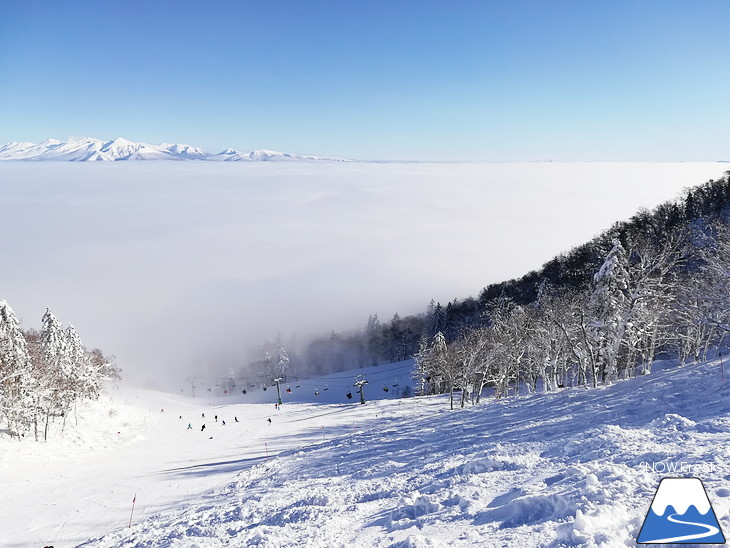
<point>421,80</point>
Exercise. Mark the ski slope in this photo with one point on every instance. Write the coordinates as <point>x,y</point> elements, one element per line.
<point>574,468</point>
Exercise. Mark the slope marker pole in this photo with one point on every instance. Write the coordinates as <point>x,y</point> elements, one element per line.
<point>132,513</point>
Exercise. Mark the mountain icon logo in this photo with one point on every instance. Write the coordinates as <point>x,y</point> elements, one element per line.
<point>681,513</point>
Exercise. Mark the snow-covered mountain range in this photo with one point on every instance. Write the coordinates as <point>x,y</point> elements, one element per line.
<point>88,149</point>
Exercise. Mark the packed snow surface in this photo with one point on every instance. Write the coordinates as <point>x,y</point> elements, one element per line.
<point>573,468</point>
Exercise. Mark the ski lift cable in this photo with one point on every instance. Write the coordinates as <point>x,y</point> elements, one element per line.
<point>325,379</point>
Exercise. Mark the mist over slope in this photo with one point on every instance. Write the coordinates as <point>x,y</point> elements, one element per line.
<point>182,267</point>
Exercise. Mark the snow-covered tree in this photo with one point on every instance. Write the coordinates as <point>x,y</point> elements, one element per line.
<point>60,367</point>
<point>281,361</point>
<point>16,380</point>
<point>421,372</point>
<point>611,305</point>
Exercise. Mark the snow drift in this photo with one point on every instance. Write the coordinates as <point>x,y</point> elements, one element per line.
<point>573,468</point>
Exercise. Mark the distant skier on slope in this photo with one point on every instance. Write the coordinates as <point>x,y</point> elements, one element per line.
<point>203,428</point>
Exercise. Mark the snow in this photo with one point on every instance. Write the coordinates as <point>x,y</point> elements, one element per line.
<point>574,468</point>
<point>88,149</point>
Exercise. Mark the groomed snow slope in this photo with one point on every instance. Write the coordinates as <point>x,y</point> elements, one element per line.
<point>573,468</point>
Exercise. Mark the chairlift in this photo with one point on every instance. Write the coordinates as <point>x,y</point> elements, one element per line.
<point>385,389</point>
<point>349,395</point>
<point>326,387</point>
<point>288,389</point>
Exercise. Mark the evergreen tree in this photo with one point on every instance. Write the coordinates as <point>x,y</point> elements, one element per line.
<point>281,362</point>
<point>437,321</point>
<point>611,306</point>
<point>60,368</point>
<point>16,381</point>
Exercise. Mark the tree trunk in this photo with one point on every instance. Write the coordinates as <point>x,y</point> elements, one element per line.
<point>45,430</point>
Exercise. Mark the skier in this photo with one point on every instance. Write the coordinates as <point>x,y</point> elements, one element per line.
<point>203,428</point>
<point>190,426</point>
<point>180,417</point>
<point>224,423</point>
<point>216,418</point>
<point>235,418</point>
<point>269,419</point>
<point>203,415</point>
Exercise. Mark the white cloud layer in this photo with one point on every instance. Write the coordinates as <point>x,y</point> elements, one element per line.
<point>175,265</point>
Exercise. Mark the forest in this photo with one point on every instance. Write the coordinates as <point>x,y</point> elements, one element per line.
<point>656,286</point>
<point>44,374</point>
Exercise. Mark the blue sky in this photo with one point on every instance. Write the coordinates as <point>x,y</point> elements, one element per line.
<point>478,81</point>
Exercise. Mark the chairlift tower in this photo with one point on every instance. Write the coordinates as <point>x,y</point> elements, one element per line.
<point>277,380</point>
<point>360,382</point>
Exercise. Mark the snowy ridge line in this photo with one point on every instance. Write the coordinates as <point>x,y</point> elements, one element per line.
<point>89,149</point>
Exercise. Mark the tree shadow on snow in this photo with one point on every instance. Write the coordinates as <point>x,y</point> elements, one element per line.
<point>213,468</point>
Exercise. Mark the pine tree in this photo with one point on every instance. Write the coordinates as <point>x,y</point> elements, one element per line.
<point>84,376</point>
<point>611,303</point>
<point>16,379</point>
<point>55,349</point>
<point>281,362</point>
<point>437,321</point>
<point>421,372</point>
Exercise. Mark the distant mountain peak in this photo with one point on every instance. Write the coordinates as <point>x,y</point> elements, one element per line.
<point>89,149</point>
